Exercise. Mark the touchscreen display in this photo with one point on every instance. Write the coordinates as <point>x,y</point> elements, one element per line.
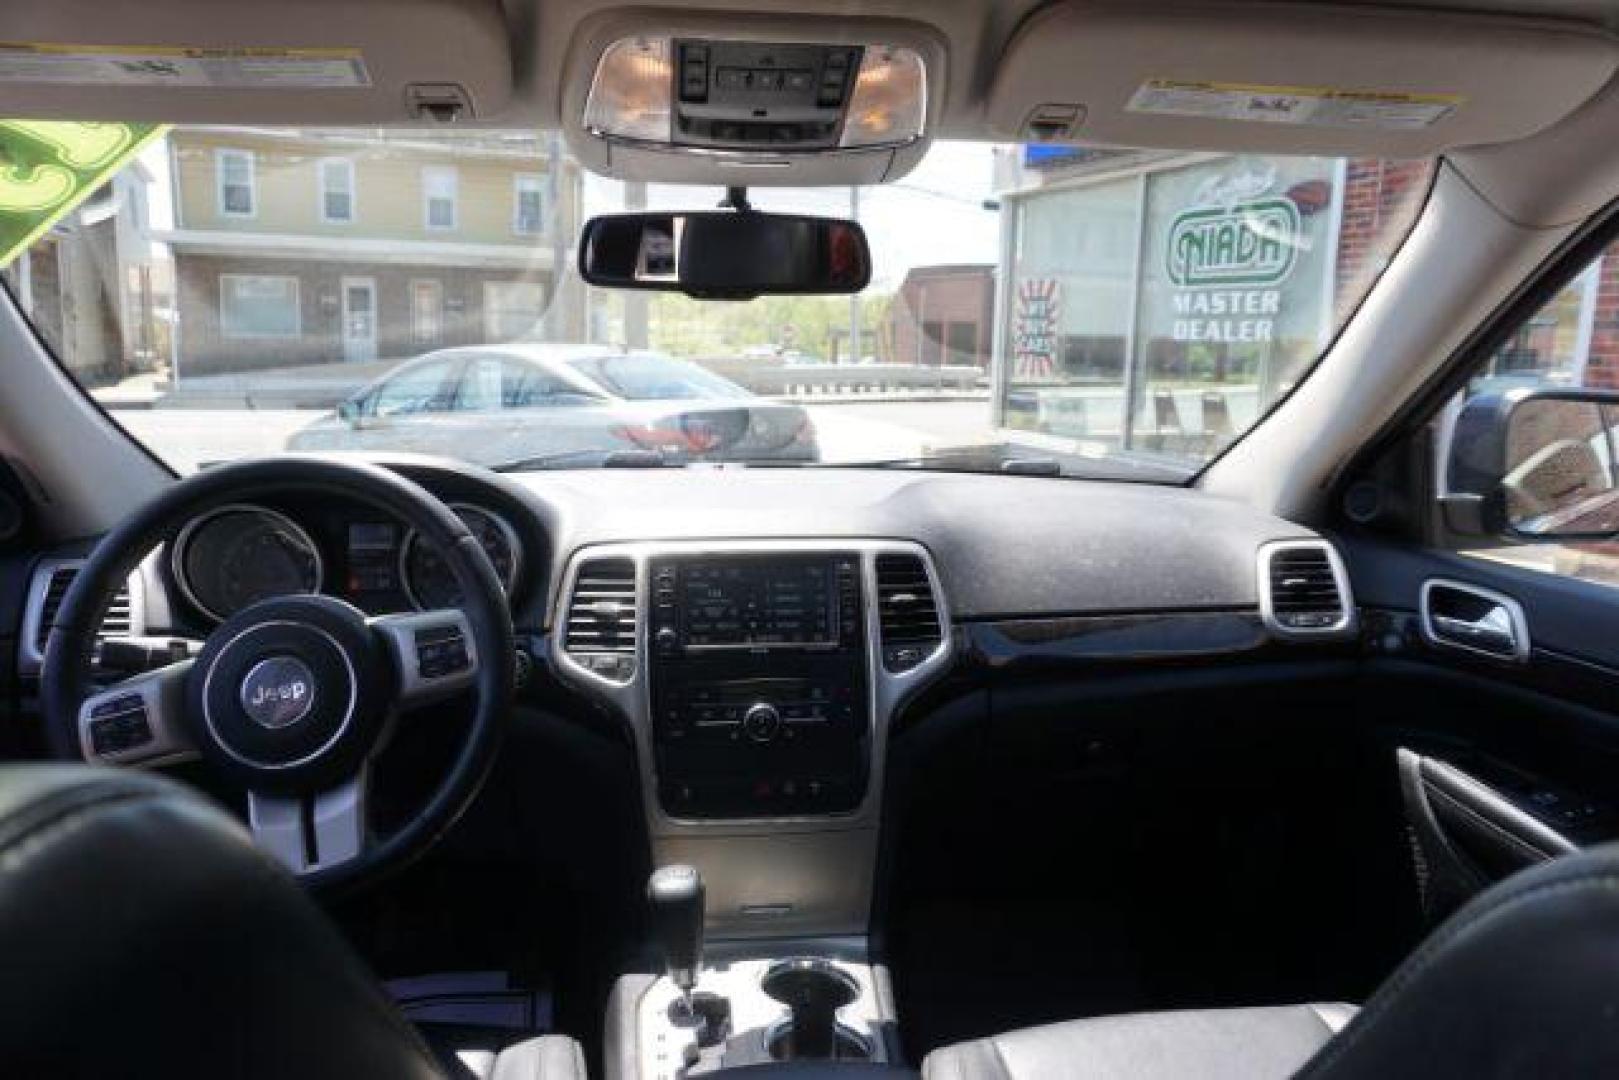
<point>751,603</point>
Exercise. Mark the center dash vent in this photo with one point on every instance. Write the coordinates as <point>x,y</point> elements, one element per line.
<point>602,627</point>
<point>1303,589</point>
<point>908,616</point>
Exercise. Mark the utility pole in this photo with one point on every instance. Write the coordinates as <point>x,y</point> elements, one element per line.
<point>854,298</point>
<point>635,300</point>
<point>555,315</point>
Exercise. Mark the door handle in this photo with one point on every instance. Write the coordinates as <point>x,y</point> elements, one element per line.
<point>1494,627</point>
<point>1461,616</point>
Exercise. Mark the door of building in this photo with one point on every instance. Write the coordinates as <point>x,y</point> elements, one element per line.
<point>359,319</point>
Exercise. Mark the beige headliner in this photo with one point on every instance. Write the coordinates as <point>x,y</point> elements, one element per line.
<point>515,57</point>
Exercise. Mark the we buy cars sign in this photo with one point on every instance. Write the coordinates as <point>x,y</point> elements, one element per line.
<point>48,167</point>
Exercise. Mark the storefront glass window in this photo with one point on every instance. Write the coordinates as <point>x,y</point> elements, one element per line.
<point>1164,311</point>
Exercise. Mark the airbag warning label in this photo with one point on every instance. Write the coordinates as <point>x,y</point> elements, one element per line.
<point>158,65</point>
<point>1311,106</point>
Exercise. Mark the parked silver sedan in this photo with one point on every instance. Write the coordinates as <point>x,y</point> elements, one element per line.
<point>495,404</point>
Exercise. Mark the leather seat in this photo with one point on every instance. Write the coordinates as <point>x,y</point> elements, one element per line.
<point>144,935</point>
<point>1521,982</point>
<point>1213,1044</point>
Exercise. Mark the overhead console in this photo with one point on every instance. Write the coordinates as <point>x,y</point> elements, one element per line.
<point>785,101</point>
<point>191,62</point>
<point>1290,78</point>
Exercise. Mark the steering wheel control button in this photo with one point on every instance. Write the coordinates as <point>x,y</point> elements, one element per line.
<point>119,724</point>
<point>278,692</point>
<point>441,651</point>
<point>762,722</point>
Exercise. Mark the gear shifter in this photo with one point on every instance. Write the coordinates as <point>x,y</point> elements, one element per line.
<point>676,896</point>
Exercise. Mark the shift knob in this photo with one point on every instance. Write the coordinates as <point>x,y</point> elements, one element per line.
<point>676,896</point>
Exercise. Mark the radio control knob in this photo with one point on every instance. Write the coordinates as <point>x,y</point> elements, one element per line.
<point>761,722</point>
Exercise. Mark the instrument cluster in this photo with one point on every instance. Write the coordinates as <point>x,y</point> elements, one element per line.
<point>238,555</point>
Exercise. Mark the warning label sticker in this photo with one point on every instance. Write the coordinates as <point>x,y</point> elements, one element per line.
<point>159,65</point>
<point>1310,105</point>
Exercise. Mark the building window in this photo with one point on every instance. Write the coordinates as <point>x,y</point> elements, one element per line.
<point>258,305</point>
<point>336,190</point>
<point>439,197</point>
<point>528,204</point>
<point>233,171</point>
<point>512,310</point>
<point>426,312</point>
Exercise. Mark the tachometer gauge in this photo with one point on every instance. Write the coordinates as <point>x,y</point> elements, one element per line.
<point>427,577</point>
<point>241,554</point>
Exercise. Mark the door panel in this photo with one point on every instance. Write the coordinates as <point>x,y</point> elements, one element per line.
<point>1568,617</point>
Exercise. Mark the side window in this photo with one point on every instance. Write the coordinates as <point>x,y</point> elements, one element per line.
<point>1558,458</point>
<point>423,389</point>
<point>492,383</point>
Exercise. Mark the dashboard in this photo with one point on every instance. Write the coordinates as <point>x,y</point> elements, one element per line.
<point>1004,548</point>
<point>757,634</point>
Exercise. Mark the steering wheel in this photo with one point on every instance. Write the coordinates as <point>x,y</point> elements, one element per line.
<point>291,698</point>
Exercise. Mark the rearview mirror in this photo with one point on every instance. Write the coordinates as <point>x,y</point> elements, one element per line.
<point>725,255</point>
<point>1536,465</point>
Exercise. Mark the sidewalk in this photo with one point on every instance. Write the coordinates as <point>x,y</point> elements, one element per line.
<point>142,391</point>
<point>312,386</point>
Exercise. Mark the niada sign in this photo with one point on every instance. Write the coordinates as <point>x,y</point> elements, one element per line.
<point>1227,264</point>
<point>1249,243</point>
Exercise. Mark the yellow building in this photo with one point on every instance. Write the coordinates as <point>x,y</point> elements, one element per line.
<point>313,247</point>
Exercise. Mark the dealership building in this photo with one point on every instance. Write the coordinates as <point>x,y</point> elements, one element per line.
<point>1160,301</point>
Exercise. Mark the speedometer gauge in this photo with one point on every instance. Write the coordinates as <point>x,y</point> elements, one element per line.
<point>241,554</point>
<point>427,577</point>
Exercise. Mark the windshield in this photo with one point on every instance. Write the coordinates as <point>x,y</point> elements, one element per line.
<point>227,292</point>
<point>655,378</point>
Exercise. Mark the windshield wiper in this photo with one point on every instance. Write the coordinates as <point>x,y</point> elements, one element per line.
<point>1016,466</point>
<point>592,455</point>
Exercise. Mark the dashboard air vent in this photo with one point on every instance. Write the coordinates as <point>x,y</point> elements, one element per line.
<point>119,621</point>
<point>601,630</point>
<point>908,616</point>
<point>1303,589</point>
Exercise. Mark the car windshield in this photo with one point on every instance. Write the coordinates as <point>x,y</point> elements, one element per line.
<point>655,378</point>
<point>1064,311</point>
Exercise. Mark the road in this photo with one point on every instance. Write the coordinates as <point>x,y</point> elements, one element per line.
<point>847,431</point>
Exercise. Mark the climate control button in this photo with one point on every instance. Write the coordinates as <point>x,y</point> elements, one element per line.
<point>762,722</point>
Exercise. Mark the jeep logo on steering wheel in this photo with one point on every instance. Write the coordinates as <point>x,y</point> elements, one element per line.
<point>278,692</point>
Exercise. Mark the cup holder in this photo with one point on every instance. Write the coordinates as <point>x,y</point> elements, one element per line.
<point>850,1045</point>
<point>814,990</point>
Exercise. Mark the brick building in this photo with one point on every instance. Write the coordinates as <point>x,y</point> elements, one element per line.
<point>943,315</point>
<point>1374,190</point>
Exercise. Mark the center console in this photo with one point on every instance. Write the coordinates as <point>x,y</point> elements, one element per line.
<point>758,679</point>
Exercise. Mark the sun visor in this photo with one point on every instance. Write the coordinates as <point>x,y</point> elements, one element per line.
<point>1290,78</point>
<point>273,61</point>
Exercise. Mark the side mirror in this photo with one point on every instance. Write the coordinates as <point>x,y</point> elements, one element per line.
<point>351,410</point>
<point>1535,465</point>
<point>726,254</point>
